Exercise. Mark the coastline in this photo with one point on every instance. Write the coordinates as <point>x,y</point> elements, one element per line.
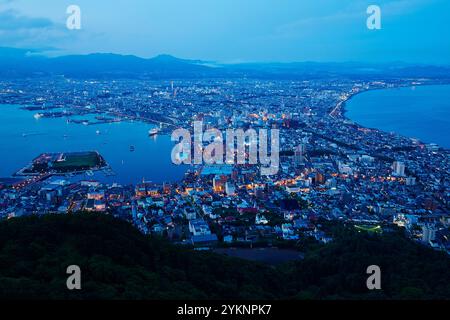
<point>343,109</point>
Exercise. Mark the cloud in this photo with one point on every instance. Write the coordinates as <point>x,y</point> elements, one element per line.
<point>12,20</point>
<point>21,31</point>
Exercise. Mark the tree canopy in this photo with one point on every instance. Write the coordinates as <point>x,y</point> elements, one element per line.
<point>118,262</point>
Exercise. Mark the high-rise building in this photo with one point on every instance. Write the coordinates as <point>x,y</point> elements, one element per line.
<point>398,168</point>
<point>428,233</point>
<point>230,189</point>
<point>299,155</point>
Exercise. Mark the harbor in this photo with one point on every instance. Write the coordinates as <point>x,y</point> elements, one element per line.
<point>26,136</point>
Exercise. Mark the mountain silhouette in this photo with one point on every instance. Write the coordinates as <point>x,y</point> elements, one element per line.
<point>17,63</point>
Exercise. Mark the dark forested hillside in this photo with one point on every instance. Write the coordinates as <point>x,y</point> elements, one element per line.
<point>117,262</point>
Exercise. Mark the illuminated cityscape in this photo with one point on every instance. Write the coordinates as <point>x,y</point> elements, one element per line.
<point>225,159</point>
<point>334,168</point>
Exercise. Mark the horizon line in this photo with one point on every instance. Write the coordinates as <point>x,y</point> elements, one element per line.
<point>43,52</point>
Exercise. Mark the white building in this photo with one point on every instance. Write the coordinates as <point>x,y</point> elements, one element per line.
<point>230,189</point>
<point>199,227</point>
<point>428,233</point>
<point>398,168</point>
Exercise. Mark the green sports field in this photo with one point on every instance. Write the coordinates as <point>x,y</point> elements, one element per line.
<point>81,160</point>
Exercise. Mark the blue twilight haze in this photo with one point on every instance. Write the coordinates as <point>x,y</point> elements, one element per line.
<point>234,30</point>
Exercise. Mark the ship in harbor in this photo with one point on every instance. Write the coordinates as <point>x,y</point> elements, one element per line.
<point>153,132</point>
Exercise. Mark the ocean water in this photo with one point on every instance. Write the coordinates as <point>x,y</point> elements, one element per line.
<point>421,112</point>
<point>22,138</point>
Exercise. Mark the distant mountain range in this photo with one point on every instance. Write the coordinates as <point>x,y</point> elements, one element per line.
<point>18,63</point>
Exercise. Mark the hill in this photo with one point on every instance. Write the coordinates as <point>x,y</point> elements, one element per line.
<point>18,63</point>
<point>23,63</point>
<point>117,262</point>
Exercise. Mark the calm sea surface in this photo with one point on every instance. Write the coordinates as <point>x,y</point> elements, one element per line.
<point>421,112</point>
<point>22,138</point>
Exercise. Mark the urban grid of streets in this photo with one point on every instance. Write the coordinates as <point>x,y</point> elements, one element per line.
<point>330,167</point>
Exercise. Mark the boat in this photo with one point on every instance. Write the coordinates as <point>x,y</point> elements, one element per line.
<point>131,148</point>
<point>38,115</point>
<point>153,132</point>
<point>30,134</point>
<point>97,132</point>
